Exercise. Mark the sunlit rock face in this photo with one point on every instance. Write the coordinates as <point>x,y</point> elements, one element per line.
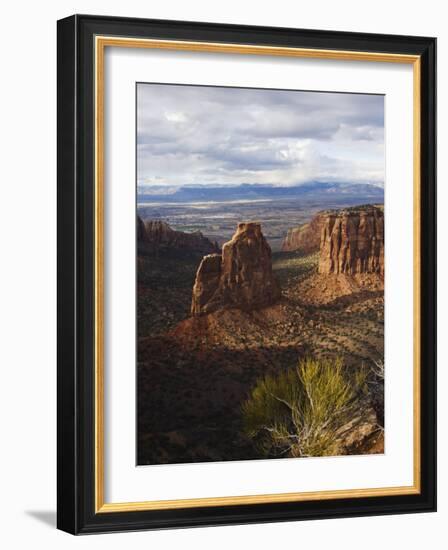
<point>241,277</point>
<point>352,241</point>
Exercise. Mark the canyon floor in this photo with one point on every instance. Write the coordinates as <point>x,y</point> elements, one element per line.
<point>194,373</point>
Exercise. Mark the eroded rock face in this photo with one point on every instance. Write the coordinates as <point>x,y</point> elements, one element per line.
<point>239,278</point>
<point>158,237</point>
<point>206,283</point>
<point>305,238</point>
<point>352,241</point>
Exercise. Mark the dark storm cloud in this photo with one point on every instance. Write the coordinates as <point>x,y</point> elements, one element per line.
<point>192,134</point>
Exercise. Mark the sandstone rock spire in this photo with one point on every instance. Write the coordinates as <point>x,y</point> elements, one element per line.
<point>239,278</point>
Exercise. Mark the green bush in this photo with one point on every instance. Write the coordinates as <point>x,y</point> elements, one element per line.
<point>302,411</point>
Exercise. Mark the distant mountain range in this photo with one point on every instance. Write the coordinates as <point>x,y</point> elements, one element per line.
<point>222,193</point>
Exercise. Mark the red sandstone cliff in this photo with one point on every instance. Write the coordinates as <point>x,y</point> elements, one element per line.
<point>305,238</point>
<point>352,241</point>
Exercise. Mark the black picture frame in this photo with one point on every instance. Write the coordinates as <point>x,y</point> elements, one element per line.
<point>76,254</point>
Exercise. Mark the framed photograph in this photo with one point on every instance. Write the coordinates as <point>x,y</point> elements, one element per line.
<point>246,274</point>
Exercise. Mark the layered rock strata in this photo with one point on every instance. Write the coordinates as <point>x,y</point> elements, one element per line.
<point>352,242</point>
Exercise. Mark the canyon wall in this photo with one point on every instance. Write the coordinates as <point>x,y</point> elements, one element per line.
<point>305,238</point>
<point>158,237</point>
<point>352,241</point>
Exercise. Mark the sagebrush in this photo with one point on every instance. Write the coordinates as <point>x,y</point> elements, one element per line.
<point>305,411</point>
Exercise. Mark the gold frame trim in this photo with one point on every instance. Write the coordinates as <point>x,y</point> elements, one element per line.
<point>101,42</point>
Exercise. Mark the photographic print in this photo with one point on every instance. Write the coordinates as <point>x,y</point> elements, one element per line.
<point>224,344</point>
<point>260,273</point>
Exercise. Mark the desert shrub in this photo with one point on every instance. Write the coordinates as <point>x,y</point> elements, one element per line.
<point>303,411</point>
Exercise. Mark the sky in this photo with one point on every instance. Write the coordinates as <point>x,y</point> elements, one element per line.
<point>218,135</point>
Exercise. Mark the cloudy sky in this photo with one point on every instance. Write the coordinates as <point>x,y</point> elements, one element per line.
<point>198,135</point>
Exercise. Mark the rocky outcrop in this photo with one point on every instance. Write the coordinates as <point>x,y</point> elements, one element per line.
<point>159,232</point>
<point>352,241</point>
<point>141,231</point>
<point>157,237</point>
<point>241,277</point>
<point>206,283</point>
<point>305,238</point>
